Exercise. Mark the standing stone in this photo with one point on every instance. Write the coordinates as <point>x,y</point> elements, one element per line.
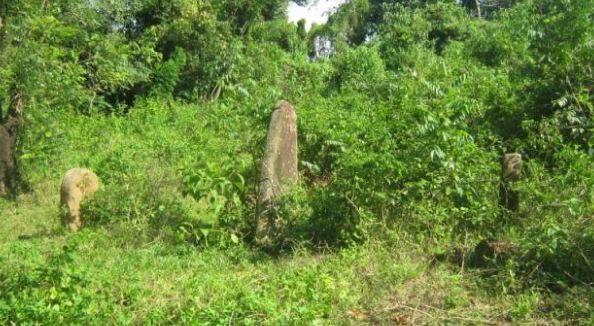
<point>512,167</point>
<point>78,184</point>
<point>511,171</point>
<point>279,168</point>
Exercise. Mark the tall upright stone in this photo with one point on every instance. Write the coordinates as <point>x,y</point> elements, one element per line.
<point>511,171</point>
<point>279,168</point>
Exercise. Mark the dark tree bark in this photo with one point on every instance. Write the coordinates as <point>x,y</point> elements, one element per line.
<point>473,7</point>
<point>477,6</point>
<point>9,129</point>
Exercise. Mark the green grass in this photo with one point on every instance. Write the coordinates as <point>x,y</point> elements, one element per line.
<point>400,140</point>
<point>104,275</point>
<point>143,259</point>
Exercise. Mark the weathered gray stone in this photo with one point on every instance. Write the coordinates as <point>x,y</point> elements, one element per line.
<point>512,167</point>
<point>279,168</point>
<point>78,184</point>
<point>511,171</point>
<point>488,251</point>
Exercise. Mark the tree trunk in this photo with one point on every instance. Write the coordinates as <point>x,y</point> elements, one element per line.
<point>9,130</point>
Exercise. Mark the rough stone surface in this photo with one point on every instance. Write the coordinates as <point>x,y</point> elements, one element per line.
<point>77,185</point>
<point>279,167</point>
<point>512,167</point>
<point>511,170</point>
<point>486,251</point>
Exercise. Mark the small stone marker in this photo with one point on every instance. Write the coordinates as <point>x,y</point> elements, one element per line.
<point>511,171</point>
<point>279,167</point>
<point>512,167</point>
<point>490,250</point>
<point>78,184</point>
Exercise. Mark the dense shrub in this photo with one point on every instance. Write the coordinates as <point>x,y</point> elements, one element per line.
<point>401,128</point>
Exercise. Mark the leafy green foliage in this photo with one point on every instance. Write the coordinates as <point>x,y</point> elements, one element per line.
<point>56,291</point>
<point>401,131</point>
<point>278,32</point>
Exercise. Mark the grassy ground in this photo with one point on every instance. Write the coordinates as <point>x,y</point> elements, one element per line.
<point>105,275</point>
<point>130,267</point>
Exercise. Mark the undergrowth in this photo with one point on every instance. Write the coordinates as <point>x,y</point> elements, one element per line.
<point>404,114</point>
